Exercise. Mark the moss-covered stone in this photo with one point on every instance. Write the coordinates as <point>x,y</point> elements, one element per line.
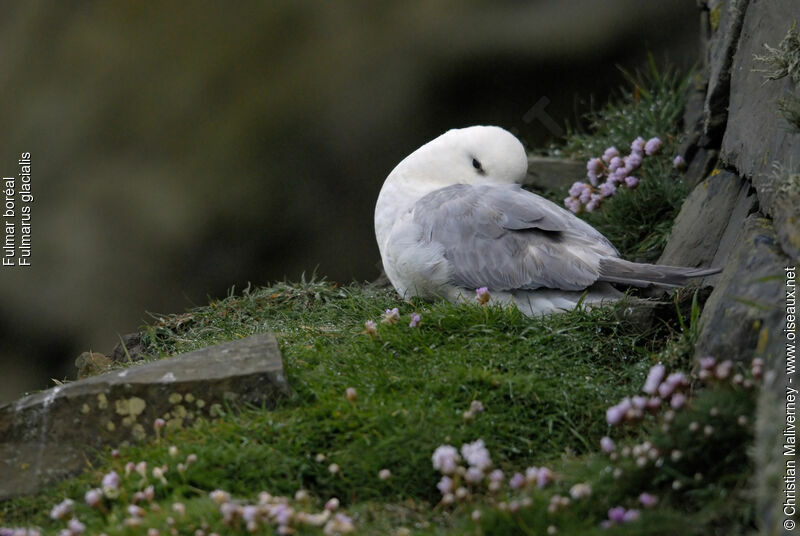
<point>49,435</point>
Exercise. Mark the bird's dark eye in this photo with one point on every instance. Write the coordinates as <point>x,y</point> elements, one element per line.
<point>477,165</point>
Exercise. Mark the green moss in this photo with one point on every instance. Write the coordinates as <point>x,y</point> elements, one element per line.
<point>714,16</point>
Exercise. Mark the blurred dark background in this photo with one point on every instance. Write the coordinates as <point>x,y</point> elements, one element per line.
<point>181,148</point>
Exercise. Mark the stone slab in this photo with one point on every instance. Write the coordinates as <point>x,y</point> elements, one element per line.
<point>709,222</point>
<point>50,435</point>
<point>554,174</point>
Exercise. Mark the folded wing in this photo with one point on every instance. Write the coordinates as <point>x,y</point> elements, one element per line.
<point>506,238</point>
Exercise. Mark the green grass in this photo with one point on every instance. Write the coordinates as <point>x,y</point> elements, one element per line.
<point>545,384</point>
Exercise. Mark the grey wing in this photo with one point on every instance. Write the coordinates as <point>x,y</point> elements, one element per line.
<point>504,237</point>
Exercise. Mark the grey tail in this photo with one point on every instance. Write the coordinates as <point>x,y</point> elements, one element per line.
<point>616,270</point>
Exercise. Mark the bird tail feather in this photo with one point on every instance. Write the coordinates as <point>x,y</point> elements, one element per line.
<point>616,270</point>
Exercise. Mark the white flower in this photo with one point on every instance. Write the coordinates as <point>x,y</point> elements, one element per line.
<point>219,496</point>
<point>579,491</point>
<point>476,454</point>
<point>93,497</point>
<point>445,459</point>
<point>62,509</point>
<point>473,475</point>
<point>445,485</point>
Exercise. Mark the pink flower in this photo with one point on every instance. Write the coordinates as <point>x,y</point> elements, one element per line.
<point>678,162</point>
<point>652,146</point>
<point>614,415</point>
<point>723,369</point>
<point>678,400</point>
<point>616,514</point>
<point>665,390</point>
<point>159,423</point>
<point>415,320</point>
<point>638,145</point>
<point>594,165</point>
<point>136,511</point>
<point>93,497</point>
<point>607,189</point>
<point>647,500</point>
<point>350,394</point>
<point>572,204</point>
<point>757,368</point>
<point>631,182</point>
<point>630,515</point>
<point>391,316</point>
<point>607,444</point>
<point>615,163</point>
<point>633,161</point>
<point>654,378</point>
<point>707,363</point>
<point>482,295</point>
<point>110,481</point>
<point>677,379</point>
<point>593,203</point>
<point>517,481</point>
<point>653,402</point>
<point>544,477</point>
<point>639,402</point>
<point>610,153</point>
<point>576,189</point>
<point>370,328</point>
<point>75,527</point>
<point>496,476</point>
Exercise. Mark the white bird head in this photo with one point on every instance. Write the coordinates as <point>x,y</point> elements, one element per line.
<point>472,155</point>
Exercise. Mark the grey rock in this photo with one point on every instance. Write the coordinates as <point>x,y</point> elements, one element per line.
<point>50,435</point>
<point>757,135</point>
<point>742,319</point>
<point>745,304</point>
<point>553,174</point>
<point>701,164</point>
<point>769,427</point>
<point>709,222</point>
<point>700,160</point>
<point>726,19</point>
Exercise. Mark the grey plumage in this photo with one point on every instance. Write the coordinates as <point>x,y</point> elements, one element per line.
<point>506,238</point>
<point>642,275</point>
